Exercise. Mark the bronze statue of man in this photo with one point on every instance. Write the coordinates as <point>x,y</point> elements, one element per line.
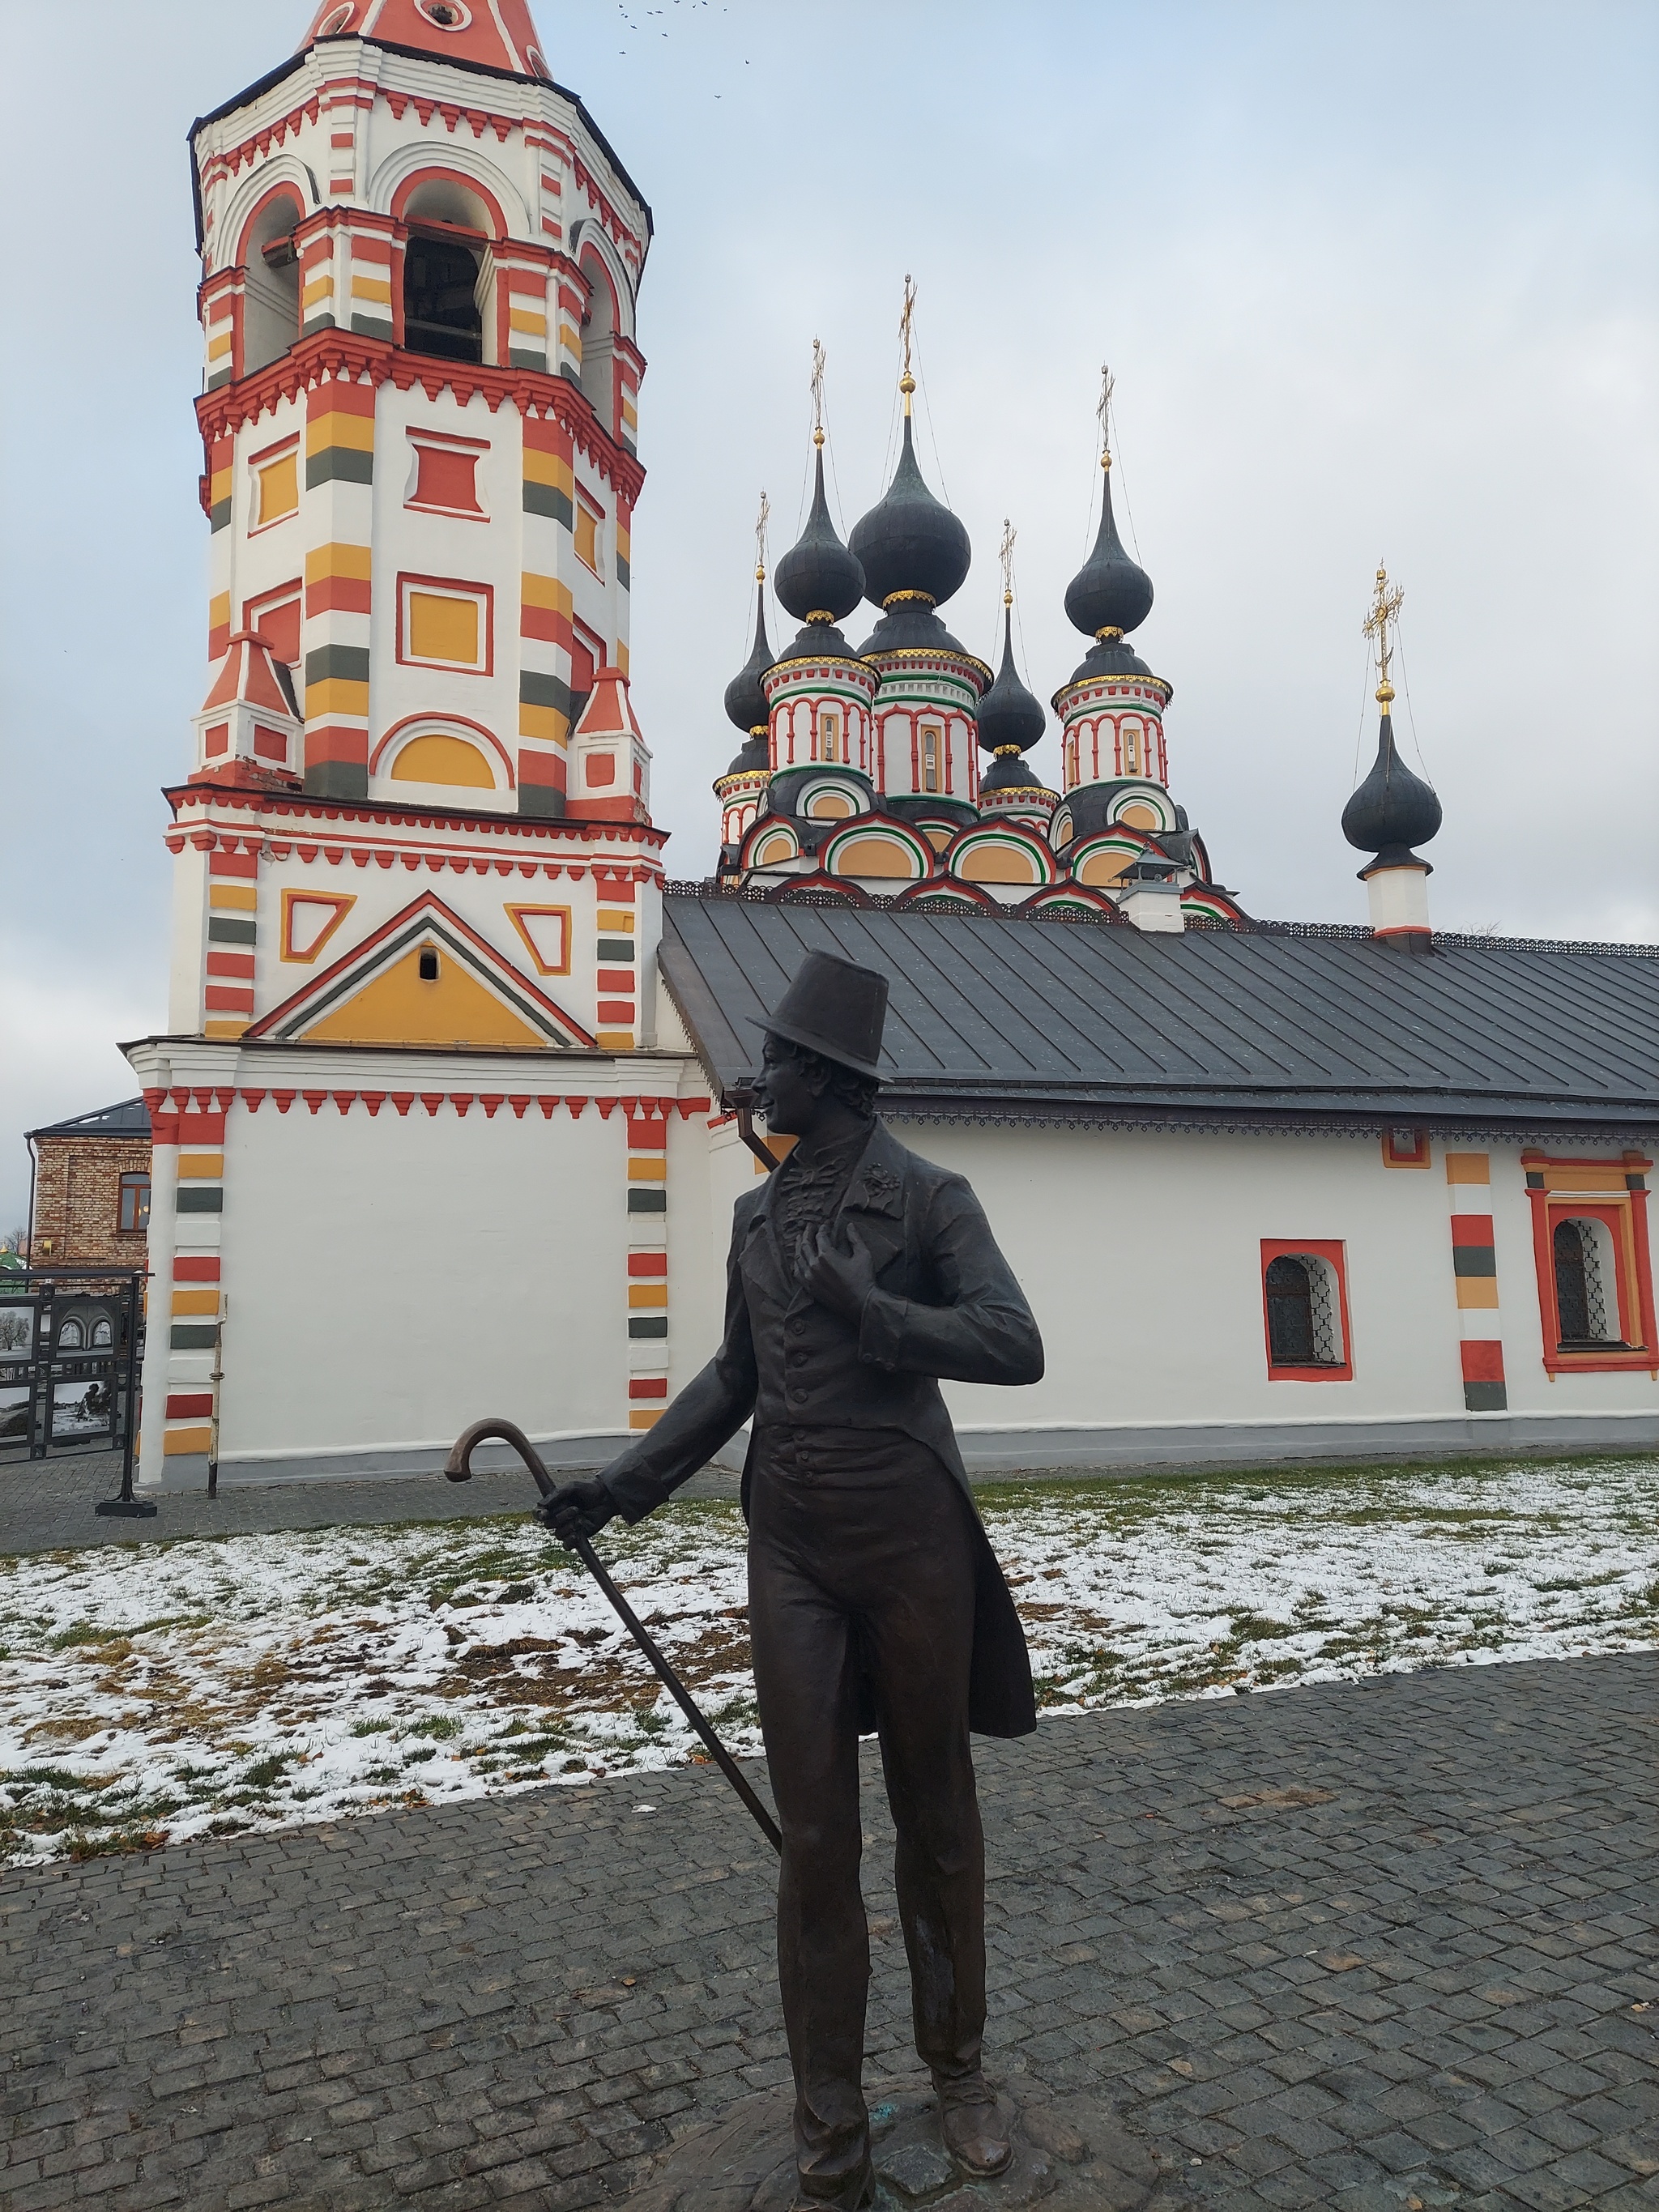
<point>859,1276</point>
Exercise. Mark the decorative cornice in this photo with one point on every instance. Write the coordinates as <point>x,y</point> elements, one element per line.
<point>966,665</point>
<point>351,358</point>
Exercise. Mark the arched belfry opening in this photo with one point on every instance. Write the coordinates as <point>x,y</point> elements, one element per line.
<point>599,341</point>
<point>270,311</point>
<point>449,276</point>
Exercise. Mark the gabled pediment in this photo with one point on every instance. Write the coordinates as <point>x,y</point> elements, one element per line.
<point>424,977</point>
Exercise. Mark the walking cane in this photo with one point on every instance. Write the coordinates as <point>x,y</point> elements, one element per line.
<point>458,1468</point>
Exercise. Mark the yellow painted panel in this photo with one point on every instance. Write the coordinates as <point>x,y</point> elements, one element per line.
<point>638,1419</point>
<point>1468,1167</point>
<point>545,591</point>
<point>326,560</point>
<point>998,864</point>
<point>872,856</point>
<point>614,1039</point>
<point>773,851</point>
<point>1608,1178</point>
<point>187,1440</point>
<point>647,1294</point>
<point>544,722</point>
<point>333,696</point>
<point>647,1170</point>
<point>354,431</point>
<point>396,1007</point>
<point>219,486</point>
<point>587,537</point>
<point>1102,867</point>
<point>1477,1290</point>
<point>224,1028</point>
<point>570,340</point>
<point>548,469</point>
<point>622,655</point>
<point>279,488</point>
<point>219,608</point>
<point>615,920</point>
<point>436,759</point>
<point>370,288</point>
<point>830,806</point>
<point>320,288</point>
<point>442,628</point>
<point>196,1302</point>
<point>204,1167</point>
<point>243,897</point>
<point>521,319</point>
<point>218,347</point>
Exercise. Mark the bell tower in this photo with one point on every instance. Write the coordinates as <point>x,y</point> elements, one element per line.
<point>420,262</point>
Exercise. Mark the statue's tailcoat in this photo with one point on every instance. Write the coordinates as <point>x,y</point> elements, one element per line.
<point>945,1306</point>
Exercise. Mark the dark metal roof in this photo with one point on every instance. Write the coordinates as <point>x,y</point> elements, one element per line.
<point>999,1018</point>
<point>129,1119</point>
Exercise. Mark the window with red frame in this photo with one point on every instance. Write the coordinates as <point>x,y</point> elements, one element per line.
<point>1304,1309</point>
<point>1593,1267</point>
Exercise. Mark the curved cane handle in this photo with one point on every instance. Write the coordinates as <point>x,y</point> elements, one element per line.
<point>459,1466</point>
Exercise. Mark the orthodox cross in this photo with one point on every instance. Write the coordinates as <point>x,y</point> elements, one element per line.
<point>1006,555</point>
<point>1107,384</point>
<point>1385,603</point>
<point>907,382</point>
<point>818,359</point>
<point>761,520</point>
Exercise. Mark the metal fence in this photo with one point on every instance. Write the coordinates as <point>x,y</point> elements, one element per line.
<point>71,1348</point>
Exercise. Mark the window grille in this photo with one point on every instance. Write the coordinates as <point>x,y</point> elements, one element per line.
<point>1580,1300</point>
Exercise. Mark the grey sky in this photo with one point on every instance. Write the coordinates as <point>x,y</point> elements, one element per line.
<point>1373,285</point>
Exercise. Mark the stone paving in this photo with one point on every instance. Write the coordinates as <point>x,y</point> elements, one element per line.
<point>1370,1947</point>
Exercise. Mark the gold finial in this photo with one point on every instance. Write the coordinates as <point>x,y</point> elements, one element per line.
<point>1385,603</point>
<point>1104,412</point>
<point>1006,555</point>
<point>761,521</point>
<point>907,382</point>
<point>818,359</point>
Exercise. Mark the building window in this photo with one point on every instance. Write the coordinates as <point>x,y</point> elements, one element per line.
<point>441,312</point>
<point>1581,1305</point>
<point>1304,1299</point>
<point>134,1214</point>
<point>1132,748</point>
<point>587,533</point>
<point>828,737</point>
<point>1595,1272</point>
<point>71,1336</point>
<point>930,751</point>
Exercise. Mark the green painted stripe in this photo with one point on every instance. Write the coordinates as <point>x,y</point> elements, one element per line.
<point>647,1202</point>
<point>219,519</point>
<point>1474,1260</point>
<point>337,779</point>
<point>367,327</point>
<point>1486,1397</point>
<point>226,929</point>
<point>647,1324</point>
<point>323,322</point>
<point>192,1336</point>
<point>616,948</point>
<point>525,359</point>
<point>548,500</point>
<point>339,464</point>
<point>543,798</point>
<point>200,1198</point>
<point>349,664</point>
<point>624,574</point>
<point>537,690</point>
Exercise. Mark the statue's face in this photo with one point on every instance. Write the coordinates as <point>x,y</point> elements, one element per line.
<point>784,1097</point>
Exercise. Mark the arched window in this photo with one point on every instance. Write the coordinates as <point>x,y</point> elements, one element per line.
<point>599,343</point>
<point>1304,1312</point>
<point>829,736</point>
<point>270,305</point>
<point>1580,1300</point>
<point>103,1336</point>
<point>71,1336</point>
<point>930,753</point>
<point>448,273</point>
<point>1132,748</point>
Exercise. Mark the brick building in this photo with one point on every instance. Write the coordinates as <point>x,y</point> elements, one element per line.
<point>90,1203</point>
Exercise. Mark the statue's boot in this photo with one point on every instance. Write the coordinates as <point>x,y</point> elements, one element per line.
<point>852,2193</point>
<point>973,2128</point>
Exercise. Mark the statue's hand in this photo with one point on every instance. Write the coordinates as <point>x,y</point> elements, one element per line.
<point>841,1280</point>
<point>576,1509</point>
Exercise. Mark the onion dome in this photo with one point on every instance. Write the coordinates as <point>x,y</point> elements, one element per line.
<point>1010,718</point>
<point>745,695</point>
<point>1110,593</point>
<point>818,581</point>
<point>910,546</point>
<point>1393,810</point>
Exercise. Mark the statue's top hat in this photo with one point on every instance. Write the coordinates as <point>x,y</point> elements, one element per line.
<point>834,1007</point>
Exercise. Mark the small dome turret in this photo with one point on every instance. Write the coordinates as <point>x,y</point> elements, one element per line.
<point>745,695</point>
<point>1110,593</point>
<point>910,545</point>
<point>1009,719</point>
<point>818,581</point>
<point>1393,810</point>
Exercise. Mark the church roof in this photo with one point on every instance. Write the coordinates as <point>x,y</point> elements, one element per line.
<point>1029,1021</point>
<point>496,34</point>
<point>129,1119</point>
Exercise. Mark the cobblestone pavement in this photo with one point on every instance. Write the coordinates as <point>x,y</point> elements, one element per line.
<point>1362,1946</point>
<point>47,1505</point>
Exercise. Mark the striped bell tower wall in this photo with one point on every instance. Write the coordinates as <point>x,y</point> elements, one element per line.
<point>186,1209</point>
<point>437,548</point>
<point>1475,1272</point>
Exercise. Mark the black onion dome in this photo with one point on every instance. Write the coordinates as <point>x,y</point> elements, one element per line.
<point>818,575</point>
<point>1008,714</point>
<point>745,695</point>
<point>1114,657</point>
<point>912,626</point>
<point>1393,810</point>
<point>910,542</point>
<point>1109,591</point>
<point>1011,774</point>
